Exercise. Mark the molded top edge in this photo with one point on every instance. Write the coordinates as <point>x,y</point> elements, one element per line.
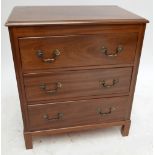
<point>71,15</point>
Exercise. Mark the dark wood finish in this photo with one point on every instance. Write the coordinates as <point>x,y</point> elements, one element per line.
<point>19,78</point>
<point>77,113</point>
<point>71,47</point>
<point>76,128</point>
<point>125,128</point>
<point>28,140</point>
<point>80,66</point>
<point>47,15</point>
<point>68,30</point>
<point>78,84</point>
<point>136,66</point>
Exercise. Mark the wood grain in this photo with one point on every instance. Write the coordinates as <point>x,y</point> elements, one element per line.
<point>77,51</point>
<point>77,113</point>
<point>91,126</point>
<point>78,84</point>
<point>65,30</point>
<point>31,15</point>
<point>79,33</point>
<point>136,66</point>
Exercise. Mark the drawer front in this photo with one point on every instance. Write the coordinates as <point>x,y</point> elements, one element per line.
<point>85,83</point>
<point>76,51</point>
<point>59,115</point>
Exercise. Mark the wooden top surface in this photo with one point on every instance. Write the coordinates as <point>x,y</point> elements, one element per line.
<point>49,15</point>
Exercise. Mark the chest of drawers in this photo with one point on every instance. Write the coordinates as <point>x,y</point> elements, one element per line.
<point>76,67</point>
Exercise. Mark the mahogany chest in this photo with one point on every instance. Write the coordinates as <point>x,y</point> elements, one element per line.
<point>76,67</point>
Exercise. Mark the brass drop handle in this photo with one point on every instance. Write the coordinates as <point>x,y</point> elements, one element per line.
<point>55,54</point>
<point>58,117</point>
<point>43,87</point>
<point>110,110</point>
<point>118,50</point>
<point>114,82</point>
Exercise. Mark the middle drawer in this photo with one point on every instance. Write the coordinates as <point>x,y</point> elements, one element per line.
<point>76,84</point>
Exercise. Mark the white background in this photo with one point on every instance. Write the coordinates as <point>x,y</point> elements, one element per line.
<point>99,142</point>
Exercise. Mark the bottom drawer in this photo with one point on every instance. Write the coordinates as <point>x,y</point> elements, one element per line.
<point>74,113</point>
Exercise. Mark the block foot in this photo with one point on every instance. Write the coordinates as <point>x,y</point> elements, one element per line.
<point>125,128</point>
<point>28,140</point>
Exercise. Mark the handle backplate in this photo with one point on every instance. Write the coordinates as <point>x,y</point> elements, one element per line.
<point>107,53</point>
<point>105,85</point>
<point>110,110</point>
<point>55,54</point>
<point>43,87</point>
<point>59,116</point>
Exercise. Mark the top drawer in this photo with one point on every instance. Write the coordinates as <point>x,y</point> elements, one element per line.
<point>77,50</point>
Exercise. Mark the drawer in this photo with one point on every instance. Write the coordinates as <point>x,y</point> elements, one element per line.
<point>67,114</point>
<point>77,51</point>
<point>76,84</point>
